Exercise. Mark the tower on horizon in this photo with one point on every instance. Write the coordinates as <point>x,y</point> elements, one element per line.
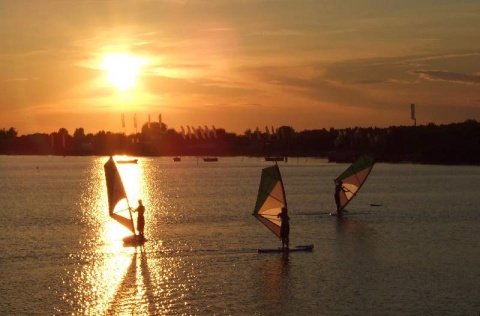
<point>412,114</point>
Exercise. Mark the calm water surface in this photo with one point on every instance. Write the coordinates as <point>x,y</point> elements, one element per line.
<point>416,253</point>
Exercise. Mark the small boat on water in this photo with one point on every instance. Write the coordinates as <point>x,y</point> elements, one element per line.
<point>210,159</point>
<point>128,161</point>
<point>276,158</point>
<point>177,159</point>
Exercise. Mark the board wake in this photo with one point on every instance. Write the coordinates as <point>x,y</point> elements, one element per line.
<point>344,212</point>
<point>134,241</point>
<point>279,249</point>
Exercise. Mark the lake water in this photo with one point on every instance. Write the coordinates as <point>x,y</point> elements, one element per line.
<point>416,253</point>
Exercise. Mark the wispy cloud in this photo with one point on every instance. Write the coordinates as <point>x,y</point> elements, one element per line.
<point>438,75</point>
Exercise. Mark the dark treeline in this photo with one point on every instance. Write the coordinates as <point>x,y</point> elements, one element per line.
<point>456,143</point>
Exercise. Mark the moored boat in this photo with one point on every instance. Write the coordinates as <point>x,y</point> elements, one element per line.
<point>128,161</point>
<point>210,159</point>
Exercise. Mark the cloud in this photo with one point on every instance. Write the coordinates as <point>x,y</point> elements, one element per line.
<point>384,84</point>
<point>438,75</point>
<point>387,73</point>
<point>197,86</point>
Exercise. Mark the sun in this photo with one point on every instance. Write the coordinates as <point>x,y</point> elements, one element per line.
<point>122,69</point>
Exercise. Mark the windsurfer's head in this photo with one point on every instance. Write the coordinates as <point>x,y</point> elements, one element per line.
<point>140,201</point>
<point>284,209</point>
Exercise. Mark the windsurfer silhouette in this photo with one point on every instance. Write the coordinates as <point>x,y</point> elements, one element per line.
<point>338,188</point>
<point>140,219</point>
<point>284,228</point>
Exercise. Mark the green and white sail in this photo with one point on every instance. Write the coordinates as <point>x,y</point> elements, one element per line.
<point>353,178</point>
<point>116,193</point>
<point>271,199</point>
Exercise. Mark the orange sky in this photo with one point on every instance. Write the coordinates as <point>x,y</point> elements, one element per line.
<point>238,64</point>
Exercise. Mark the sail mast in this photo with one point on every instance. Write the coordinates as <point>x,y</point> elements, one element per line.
<point>131,216</point>
<point>283,188</point>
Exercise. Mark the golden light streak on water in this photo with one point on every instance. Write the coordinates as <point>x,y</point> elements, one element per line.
<point>109,278</point>
<point>95,285</point>
<point>103,261</point>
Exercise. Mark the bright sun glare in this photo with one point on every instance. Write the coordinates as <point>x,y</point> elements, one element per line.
<point>122,69</point>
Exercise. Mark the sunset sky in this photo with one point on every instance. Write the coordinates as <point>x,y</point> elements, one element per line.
<point>237,64</point>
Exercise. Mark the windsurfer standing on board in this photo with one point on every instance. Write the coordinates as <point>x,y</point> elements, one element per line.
<point>140,219</point>
<point>284,227</point>
<point>338,188</point>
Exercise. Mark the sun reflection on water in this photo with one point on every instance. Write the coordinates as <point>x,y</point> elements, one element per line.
<point>108,278</point>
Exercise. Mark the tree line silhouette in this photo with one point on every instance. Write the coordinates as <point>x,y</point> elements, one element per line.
<point>453,144</point>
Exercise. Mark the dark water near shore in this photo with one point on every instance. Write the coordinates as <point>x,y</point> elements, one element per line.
<point>417,253</point>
